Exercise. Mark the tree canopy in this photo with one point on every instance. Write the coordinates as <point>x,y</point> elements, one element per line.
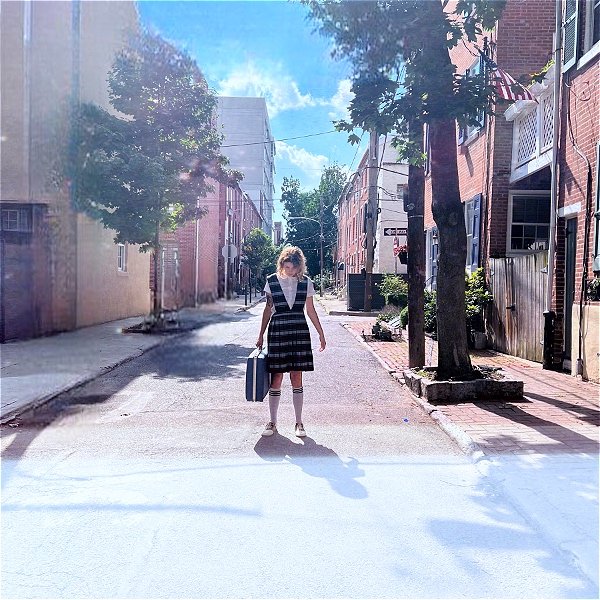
<point>145,165</point>
<point>403,78</point>
<point>259,253</point>
<point>302,212</point>
<point>397,79</point>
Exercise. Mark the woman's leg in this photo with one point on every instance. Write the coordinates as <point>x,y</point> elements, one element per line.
<point>275,395</point>
<point>297,394</point>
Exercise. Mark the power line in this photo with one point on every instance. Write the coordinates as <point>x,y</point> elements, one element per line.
<point>299,137</point>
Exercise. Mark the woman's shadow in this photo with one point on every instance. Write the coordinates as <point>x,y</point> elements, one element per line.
<point>315,460</point>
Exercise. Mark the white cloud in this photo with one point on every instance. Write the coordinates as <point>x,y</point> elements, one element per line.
<point>340,100</point>
<point>311,164</point>
<point>280,91</point>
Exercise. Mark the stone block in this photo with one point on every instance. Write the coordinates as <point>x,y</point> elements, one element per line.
<point>462,391</point>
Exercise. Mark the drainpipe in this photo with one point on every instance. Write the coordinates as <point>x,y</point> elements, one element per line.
<point>549,314</point>
<point>197,255</point>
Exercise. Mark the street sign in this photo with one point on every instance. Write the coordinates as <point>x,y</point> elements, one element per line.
<point>389,231</point>
<point>232,252</point>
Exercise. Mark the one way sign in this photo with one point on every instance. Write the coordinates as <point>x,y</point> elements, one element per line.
<point>394,231</point>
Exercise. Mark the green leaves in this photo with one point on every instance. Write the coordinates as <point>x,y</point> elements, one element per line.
<point>259,253</point>
<point>302,211</point>
<point>396,49</point>
<point>394,290</point>
<point>147,168</point>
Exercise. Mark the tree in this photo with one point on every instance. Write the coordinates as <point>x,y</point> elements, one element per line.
<point>259,254</point>
<point>147,169</point>
<point>404,78</point>
<point>305,212</point>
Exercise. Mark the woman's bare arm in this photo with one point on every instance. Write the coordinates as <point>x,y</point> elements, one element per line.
<point>266,317</point>
<point>311,311</point>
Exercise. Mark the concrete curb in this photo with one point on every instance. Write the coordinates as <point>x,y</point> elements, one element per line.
<point>464,441</point>
<point>386,366</point>
<point>252,305</point>
<point>15,413</point>
<point>337,313</point>
<point>482,461</point>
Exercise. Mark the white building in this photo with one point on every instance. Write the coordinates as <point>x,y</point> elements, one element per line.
<point>250,148</point>
<point>392,222</point>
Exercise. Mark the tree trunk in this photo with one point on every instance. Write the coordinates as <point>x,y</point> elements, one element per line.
<point>416,258</point>
<point>156,299</point>
<point>453,354</point>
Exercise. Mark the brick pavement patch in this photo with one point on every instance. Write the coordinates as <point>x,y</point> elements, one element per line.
<point>558,414</point>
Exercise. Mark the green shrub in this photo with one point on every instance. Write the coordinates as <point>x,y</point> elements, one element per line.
<point>404,317</point>
<point>388,312</point>
<point>477,296</point>
<point>394,290</point>
<point>430,312</point>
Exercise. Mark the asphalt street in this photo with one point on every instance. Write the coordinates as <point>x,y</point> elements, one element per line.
<point>153,482</point>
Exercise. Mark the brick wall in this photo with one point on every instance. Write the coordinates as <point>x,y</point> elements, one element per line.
<point>579,136</point>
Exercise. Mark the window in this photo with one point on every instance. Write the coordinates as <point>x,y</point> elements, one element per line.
<point>592,24</point>
<point>432,255</point>
<point>401,191</point>
<point>595,22</point>
<point>466,132</point>
<point>16,219</point>
<point>530,222</point>
<point>122,258</point>
<point>472,220</point>
<point>427,147</point>
<point>573,46</point>
<point>570,33</point>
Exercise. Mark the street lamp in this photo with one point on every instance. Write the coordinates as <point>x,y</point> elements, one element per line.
<point>320,222</point>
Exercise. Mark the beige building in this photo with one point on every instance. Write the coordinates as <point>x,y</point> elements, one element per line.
<point>60,269</point>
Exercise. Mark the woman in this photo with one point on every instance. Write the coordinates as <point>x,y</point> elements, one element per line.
<point>288,292</point>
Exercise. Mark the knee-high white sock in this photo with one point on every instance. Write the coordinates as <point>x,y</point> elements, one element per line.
<point>298,400</point>
<point>274,396</point>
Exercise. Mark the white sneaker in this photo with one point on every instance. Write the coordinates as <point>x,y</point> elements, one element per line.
<point>300,430</point>
<point>270,429</point>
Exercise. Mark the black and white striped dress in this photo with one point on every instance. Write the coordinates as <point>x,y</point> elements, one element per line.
<point>288,336</point>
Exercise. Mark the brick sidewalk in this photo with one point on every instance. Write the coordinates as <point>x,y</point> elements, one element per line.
<point>559,414</point>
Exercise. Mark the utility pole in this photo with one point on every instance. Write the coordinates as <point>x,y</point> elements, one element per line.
<point>373,164</point>
<point>414,206</point>
<point>321,240</point>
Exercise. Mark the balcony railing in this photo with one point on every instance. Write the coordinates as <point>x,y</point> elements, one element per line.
<point>533,126</point>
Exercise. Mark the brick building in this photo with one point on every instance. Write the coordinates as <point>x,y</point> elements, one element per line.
<point>392,178</point>
<point>196,269</point>
<point>521,43</point>
<point>535,263</point>
<point>577,331</point>
<point>352,204</point>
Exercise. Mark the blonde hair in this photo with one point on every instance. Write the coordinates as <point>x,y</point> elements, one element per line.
<point>294,255</point>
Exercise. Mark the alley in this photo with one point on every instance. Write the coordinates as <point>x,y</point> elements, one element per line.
<point>154,481</point>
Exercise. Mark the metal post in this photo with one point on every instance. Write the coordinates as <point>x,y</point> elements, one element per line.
<point>549,329</point>
<point>321,224</point>
<point>371,208</point>
<point>162,279</point>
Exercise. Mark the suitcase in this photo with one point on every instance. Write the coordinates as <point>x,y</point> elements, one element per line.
<point>257,376</point>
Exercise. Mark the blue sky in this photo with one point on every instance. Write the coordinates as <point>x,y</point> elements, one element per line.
<point>267,48</point>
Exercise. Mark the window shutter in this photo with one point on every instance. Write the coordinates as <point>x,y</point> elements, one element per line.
<point>475,232</point>
<point>570,33</point>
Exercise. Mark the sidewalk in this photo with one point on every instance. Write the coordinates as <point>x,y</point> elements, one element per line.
<point>34,371</point>
<point>559,414</point>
